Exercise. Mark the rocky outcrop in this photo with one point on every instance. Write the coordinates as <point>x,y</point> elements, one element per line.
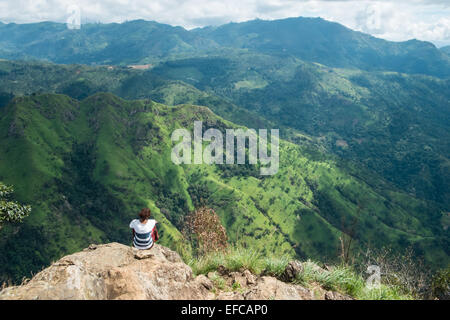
<point>292,270</point>
<point>116,271</point>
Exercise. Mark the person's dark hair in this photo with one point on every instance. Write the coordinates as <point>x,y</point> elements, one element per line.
<point>144,214</point>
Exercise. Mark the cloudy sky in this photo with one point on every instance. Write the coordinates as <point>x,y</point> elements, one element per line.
<point>394,20</point>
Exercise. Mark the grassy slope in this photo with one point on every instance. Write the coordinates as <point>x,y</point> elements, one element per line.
<point>393,123</point>
<point>398,123</point>
<point>339,278</point>
<point>87,167</point>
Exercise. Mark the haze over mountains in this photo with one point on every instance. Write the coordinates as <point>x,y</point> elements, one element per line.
<point>364,121</point>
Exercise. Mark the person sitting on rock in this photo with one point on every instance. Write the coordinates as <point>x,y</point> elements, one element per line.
<point>144,230</point>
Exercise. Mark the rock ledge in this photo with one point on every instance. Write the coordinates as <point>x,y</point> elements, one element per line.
<point>116,271</point>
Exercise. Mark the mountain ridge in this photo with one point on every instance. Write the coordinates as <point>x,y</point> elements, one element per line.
<point>96,43</point>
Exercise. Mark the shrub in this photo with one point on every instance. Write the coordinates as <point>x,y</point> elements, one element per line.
<point>204,230</point>
<point>11,211</point>
<point>441,284</point>
<point>403,271</point>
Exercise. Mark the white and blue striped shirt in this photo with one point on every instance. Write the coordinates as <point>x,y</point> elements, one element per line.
<point>143,233</point>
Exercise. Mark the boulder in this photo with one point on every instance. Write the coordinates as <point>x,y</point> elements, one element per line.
<point>291,271</point>
<point>269,288</point>
<point>114,271</point>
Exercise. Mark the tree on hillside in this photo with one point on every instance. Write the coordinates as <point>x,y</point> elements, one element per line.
<point>11,211</point>
<point>205,231</point>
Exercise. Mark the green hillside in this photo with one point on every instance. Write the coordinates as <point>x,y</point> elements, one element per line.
<point>393,123</point>
<point>88,166</point>
<point>18,78</point>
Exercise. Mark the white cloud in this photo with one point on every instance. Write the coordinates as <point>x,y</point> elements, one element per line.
<point>393,20</point>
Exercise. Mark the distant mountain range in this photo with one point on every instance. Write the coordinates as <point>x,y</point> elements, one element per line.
<point>309,39</point>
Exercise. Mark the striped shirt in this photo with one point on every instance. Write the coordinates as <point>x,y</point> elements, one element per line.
<point>142,233</point>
